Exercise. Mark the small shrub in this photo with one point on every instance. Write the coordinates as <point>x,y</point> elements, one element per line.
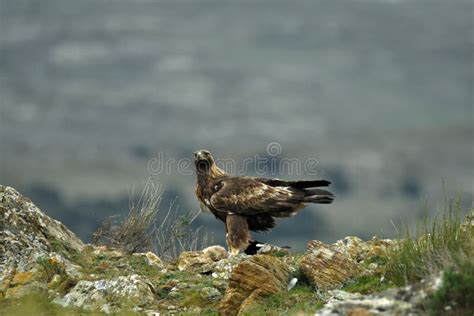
<point>133,233</point>
<point>457,289</point>
<point>143,229</point>
<point>175,234</point>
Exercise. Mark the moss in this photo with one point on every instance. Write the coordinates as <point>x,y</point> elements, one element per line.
<point>366,284</point>
<point>457,290</point>
<point>192,298</point>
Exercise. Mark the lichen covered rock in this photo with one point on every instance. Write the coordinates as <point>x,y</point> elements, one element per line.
<point>201,261</point>
<point>252,279</point>
<point>356,248</point>
<point>150,258</point>
<point>327,268</point>
<point>26,235</point>
<point>131,291</point>
<point>363,305</point>
<point>409,300</point>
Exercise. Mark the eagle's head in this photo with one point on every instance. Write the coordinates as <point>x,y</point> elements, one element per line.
<point>203,161</point>
<point>205,165</point>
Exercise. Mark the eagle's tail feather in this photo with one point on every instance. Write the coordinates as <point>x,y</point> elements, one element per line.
<point>309,184</point>
<point>318,196</point>
<point>302,184</point>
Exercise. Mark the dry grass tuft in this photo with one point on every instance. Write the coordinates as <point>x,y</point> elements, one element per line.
<point>145,228</point>
<point>174,234</point>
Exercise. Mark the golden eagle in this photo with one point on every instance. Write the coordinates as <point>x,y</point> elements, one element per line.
<point>247,204</point>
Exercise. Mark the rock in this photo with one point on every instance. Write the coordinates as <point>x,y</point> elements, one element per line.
<point>365,305</point>
<point>252,279</point>
<point>339,295</point>
<point>110,253</point>
<point>60,263</point>
<point>267,249</point>
<point>19,291</point>
<point>201,261</point>
<point>220,284</point>
<point>150,258</point>
<point>95,295</point>
<point>222,269</point>
<point>353,247</point>
<point>215,253</point>
<point>28,234</point>
<point>379,247</point>
<point>326,268</point>
<point>396,301</point>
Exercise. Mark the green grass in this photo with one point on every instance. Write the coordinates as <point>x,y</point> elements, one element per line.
<point>41,305</point>
<point>373,283</point>
<point>36,304</point>
<point>434,246</point>
<point>302,299</point>
<point>58,247</point>
<point>367,284</point>
<point>140,265</point>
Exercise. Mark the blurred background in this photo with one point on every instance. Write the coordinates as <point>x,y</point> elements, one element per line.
<point>379,92</point>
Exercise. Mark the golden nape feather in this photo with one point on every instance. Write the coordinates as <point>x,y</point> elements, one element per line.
<point>247,204</point>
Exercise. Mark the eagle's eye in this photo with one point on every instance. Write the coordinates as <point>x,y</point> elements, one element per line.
<point>217,187</point>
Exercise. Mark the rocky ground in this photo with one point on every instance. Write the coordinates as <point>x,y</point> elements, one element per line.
<point>45,268</point>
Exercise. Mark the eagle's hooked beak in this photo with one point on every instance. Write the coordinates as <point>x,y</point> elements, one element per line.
<point>202,155</point>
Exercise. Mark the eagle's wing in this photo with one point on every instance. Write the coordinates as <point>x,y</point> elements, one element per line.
<point>249,196</point>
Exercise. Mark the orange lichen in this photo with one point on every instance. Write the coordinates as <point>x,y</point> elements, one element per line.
<point>22,278</point>
<point>54,261</point>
